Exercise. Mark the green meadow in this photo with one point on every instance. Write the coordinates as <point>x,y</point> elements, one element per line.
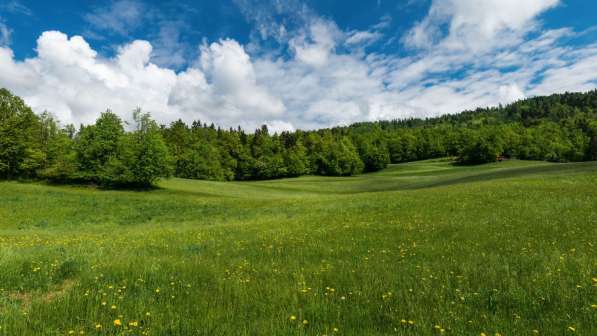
<point>423,248</point>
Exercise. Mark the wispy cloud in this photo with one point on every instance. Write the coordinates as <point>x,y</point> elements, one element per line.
<point>15,7</point>
<point>5,34</point>
<point>121,17</point>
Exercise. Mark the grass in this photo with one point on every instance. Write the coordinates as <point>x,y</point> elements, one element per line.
<point>424,248</point>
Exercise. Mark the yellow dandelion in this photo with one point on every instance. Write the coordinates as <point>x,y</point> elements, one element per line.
<point>117,323</point>
<point>411,322</point>
<point>292,317</point>
<point>113,307</point>
<point>305,322</point>
<point>335,329</point>
<point>98,326</point>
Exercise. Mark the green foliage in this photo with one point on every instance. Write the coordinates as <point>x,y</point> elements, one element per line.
<point>201,161</point>
<point>141,157</point>
<point>558,128</point>
<point>296,160</point>
<point>334,156</point>
<point>592,146</point>
<point>374,154</point>
<point>20,152</point>
<point>481,146</point>
<point>97,145</point>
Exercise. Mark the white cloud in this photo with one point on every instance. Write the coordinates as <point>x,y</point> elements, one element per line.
<point>169,50</point>
<point>362,37</point>
<point>314,45</point>
<point>120,17</point>
<point>15,6</point>
<point>278,126</point>
<point>69,79</point>
<point>577,74</point>
<point>325,79</point>
<point>5,34</point>
<point>476,25</point>
<point>273,18</point>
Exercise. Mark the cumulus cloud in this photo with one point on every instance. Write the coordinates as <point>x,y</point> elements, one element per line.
<point>69,79</point>
<point>324,79</point>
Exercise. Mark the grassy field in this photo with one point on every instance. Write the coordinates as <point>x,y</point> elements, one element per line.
<point>425,248</point>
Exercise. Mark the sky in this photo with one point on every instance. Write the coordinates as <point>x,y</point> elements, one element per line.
<point>292,64</point>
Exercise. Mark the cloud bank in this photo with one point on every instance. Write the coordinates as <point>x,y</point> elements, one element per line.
<point>464,54</point>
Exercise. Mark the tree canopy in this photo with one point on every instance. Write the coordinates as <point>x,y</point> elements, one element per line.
<point>560,127</point>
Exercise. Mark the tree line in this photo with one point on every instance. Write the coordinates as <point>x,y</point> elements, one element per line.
<point>560,128</point>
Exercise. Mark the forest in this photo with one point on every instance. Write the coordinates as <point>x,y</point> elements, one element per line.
<point>110,153</point>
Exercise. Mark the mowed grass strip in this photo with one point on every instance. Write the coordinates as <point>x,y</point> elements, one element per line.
<point>424,248</point>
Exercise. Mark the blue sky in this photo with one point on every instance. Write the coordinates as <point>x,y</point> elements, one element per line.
<point>292,64</point>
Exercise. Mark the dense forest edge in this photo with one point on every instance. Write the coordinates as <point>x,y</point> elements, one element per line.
<point>558,128</point>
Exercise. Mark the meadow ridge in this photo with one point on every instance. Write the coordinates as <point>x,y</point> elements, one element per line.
<point>421,248</point>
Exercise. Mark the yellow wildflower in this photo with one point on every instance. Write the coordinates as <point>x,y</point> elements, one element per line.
<point>117,323</point>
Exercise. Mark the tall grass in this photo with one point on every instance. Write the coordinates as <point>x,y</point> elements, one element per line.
<point>425,248</point>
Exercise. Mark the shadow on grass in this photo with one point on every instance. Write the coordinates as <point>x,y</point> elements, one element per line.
<point>82,183</point>
<point>510,173</point>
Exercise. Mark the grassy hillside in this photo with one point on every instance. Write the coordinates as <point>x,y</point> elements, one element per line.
<point>424,248</point>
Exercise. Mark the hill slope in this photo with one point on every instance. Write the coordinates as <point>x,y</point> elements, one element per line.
<point>414,249</point>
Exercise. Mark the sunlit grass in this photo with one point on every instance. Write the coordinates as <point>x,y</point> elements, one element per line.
<point>424,248</point>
